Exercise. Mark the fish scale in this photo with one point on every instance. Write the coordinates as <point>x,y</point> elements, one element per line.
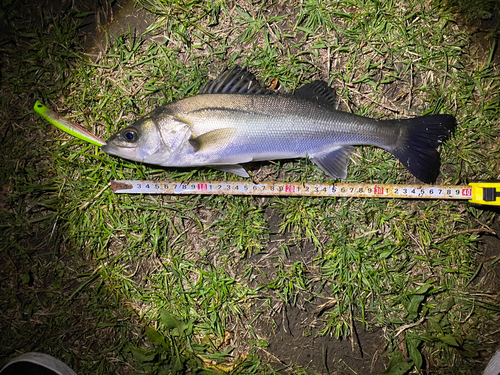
<point>268,130</point>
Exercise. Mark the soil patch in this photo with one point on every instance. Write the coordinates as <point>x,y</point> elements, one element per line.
<point>294,338</point>
<point>489,253</point>
<point>292,331</point>
<point>487,282</point>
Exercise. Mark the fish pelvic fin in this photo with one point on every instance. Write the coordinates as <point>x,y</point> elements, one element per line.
<point>236,169</point>
<point>419,139</point>
<point>334,163</point>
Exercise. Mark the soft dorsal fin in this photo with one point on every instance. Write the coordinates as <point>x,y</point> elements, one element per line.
<point>236,81</point>
<point>319,92</point>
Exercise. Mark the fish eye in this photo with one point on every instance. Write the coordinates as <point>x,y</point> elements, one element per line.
<point>130,135</point>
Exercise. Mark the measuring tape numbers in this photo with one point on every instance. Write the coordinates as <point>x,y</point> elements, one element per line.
<point>481,193</point>
<point>484,193</point>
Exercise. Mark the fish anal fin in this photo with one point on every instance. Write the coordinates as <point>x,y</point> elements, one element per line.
<point>318,92</point>
<point>235,169</point>
<point>334,162</point>
<point>212,140</point>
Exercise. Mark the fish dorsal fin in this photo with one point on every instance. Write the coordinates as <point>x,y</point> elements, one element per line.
<point>318,92</point>
<point>212,140</point>
<point>236,81</point>
<point>334,162</point>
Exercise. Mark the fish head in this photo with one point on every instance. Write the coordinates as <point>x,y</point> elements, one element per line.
<point>149,140</point>
<point>135,142</point>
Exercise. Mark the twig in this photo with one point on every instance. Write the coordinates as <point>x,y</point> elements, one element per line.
<point>273,356</point>
<point>470,313</point>
<point>183,233</point>
<point>352,333</point>
<point>283,317</point>
<point>410,96</point>
<point>406,326</point>
<point>482,230</point>
<point>375,358</point>
<point>138,88</point>
<point>319,309</point>
<point>329,65</point>
<point>96,196</point>
<point>482,224</point>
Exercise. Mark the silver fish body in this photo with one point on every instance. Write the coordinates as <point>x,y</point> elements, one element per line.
<point>223,130</point>
<point>275,127</point>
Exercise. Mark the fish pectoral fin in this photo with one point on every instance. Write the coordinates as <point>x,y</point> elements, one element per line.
<point>235,169</point>
<point>212,140</point>
<point>334,163</point>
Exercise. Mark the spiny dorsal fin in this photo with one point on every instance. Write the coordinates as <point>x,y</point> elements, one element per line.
<point>318,92</point>
<point>236,81</point>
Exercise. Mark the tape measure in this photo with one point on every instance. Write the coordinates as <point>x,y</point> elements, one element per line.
<point>481,193</point>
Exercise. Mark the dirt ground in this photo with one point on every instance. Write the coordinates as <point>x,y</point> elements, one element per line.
<point>292,332</point>
<point>489,250</point>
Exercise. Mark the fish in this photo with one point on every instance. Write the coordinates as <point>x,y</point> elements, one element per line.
<point>235,120</point>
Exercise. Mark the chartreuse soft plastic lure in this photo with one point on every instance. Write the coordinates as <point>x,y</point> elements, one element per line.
<point>72,128</point>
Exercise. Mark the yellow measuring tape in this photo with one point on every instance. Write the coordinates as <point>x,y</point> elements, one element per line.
<point>482,193</point>
<point>485,193</point>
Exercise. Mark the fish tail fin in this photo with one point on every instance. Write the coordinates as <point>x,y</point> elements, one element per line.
<point>417,145</point>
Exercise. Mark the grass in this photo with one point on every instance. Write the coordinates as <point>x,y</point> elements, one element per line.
<point>149,284</point>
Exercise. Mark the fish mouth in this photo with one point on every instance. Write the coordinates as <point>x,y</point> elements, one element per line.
<point>107,149</point>
<point>121,151</point>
